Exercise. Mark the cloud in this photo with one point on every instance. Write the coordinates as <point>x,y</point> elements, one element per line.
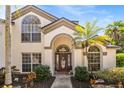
<point>82,10</point>
<point>89,13</point>
<point>108,19</point>
<point>84,13</point>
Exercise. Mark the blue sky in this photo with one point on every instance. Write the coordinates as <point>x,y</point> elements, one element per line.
<point>105,14</point>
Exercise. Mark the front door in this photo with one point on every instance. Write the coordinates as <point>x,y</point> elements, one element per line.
<point>63,60</point>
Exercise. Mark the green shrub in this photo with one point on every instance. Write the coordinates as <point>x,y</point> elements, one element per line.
<point>120,60</point>
<point>2,75</point>
<point>112,75</point>
<point>42,73</point>
<point>81,73</point>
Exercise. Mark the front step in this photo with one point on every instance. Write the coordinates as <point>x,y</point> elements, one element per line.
<point>64,72</point>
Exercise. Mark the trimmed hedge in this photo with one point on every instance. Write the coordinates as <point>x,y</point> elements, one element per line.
<point>81,73</point>
<point>42,73</point>
<point>120,60</point>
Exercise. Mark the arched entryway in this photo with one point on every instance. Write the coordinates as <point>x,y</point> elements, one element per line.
<point>63,62</point>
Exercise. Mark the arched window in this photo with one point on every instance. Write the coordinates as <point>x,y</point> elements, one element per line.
<point>93,58</point>
<point>30,29</point>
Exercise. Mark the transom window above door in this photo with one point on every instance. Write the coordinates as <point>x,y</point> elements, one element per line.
<point>31,29</point>
<point>62,48</point>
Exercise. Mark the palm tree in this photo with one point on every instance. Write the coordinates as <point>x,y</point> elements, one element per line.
<point>8,77</point>
<point>115,31</point>
<point>88,35</point>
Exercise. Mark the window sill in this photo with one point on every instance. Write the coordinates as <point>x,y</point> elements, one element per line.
<point>31,42</point>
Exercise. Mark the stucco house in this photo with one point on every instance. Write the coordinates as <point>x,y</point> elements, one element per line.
<point>38,37</point>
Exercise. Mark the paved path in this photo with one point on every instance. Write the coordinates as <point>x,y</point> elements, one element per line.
<point>62,81</point>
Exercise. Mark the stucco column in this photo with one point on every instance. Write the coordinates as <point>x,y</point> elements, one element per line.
<point>85,61</point>
<point>49,59</point>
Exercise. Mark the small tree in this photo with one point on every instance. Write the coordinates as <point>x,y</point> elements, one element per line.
<point>88,35</point>
<point>116,31</point>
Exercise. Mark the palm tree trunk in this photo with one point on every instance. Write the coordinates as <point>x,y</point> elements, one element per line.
<point>8,77</point>
<point>86,47</point>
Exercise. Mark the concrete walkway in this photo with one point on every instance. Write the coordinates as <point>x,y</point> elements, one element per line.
<point>62,81</point>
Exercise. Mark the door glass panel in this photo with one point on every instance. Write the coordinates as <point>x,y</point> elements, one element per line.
<point>63,62</point>
<point>63,58</point>
<point>57,62</point>
<point>69,60</point>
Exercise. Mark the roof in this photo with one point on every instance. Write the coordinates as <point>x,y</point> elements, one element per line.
<point>22,11</point>
<point>35,9</point>
<point>58,23</point>
<point>112,46</point>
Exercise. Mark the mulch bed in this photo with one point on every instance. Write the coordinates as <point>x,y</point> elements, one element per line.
<point>79,84</point>
<point>44,84</point>
<point>85,84</point>
<point>105,86</point>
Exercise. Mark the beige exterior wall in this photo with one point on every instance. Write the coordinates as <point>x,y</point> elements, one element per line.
<point>18,47</point>
<point>78,58</point>
<point>2,43</point>
<point>49,42</point>
<point>109,61</point>
<point>49,59</point>
<point>54,33</point>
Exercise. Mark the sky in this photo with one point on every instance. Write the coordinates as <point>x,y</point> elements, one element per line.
<point>104,14</point>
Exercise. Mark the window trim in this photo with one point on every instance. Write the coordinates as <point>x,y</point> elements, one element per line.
<point>31,41</point>
<point>94,52</point>
<point>31,55</point>
<point>25,26</point>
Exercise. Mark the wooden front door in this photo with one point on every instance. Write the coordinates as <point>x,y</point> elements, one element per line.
<point>63,61</point>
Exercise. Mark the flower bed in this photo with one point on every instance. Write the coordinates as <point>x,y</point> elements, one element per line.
<point>44,84</point>
<point>79,84</point>
<point>112,76</point>
<point>81,78</point>
<point>40,78</point>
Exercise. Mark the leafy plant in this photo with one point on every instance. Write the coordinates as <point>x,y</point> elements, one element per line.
<point>120,60</point>
<point>116,31</point>
<point>112,75</point>
<point>88,35</point>
<point>42,73</point>
<point>81,73</point>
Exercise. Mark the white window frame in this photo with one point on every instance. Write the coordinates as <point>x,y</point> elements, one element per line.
<point>31,55</point>
<point>33,27</point>
<point>99,63</point>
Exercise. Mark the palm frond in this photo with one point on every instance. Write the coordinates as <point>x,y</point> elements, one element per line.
<point>102,38</point>
<point>89,35</point>
<point>79,28</point>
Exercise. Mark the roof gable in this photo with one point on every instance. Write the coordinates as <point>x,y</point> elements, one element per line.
<point>62,21</point>
<point>31,8</point>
